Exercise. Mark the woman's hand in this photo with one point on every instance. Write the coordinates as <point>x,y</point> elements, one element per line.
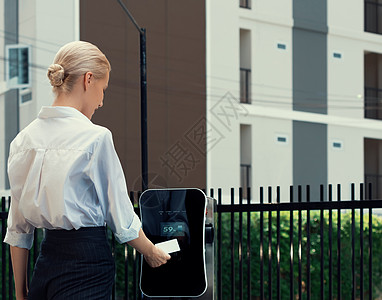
<point>157,257</point>
<point>154,256</point>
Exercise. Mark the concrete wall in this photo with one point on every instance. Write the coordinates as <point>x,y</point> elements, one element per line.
<point>2,108</point>
<point>44,25</point>
<point>176,87</point>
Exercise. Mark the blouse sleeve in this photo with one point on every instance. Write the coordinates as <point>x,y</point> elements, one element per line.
<point>20,233</point>
<point>110,184</point>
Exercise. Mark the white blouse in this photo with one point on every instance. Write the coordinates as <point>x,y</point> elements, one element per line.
<point>64,173</point>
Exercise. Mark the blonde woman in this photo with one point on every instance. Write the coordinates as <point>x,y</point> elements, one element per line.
<point>65,176</point>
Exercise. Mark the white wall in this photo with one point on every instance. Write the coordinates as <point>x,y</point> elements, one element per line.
<point>271,86</point>
<point>271,66</point>
<point>2,72</point>
<point>46,25</point>
<point>345,165</point>
<point>345,77</point>
<point>222,70</point>
<point>27,36</point>
<point>346,16</point>
<point>271,160</point>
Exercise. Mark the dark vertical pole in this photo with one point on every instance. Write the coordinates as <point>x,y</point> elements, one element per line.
<point>126,272</point>
<point>299,196</point>
<point>291,276</point>
<point>10,276</point>
<point>219,284</point>
<point>137,263</point>
<point>144,150</point>
<point>361,192</point>
<point>3,253</point>
<point>339,244</point>
<point>330,246</point>
<point>278,246</point>
<point>353,243</point>
<point>143,79</point>
<point>127,257</point>
<point>232,247</point>
<point>261,246</point>
<point>308,284</point>
<point>322,242</point>
<point>370,246</point>
<point>269,245</point>
<point>241,246</point>
<point>135,290</point>
<point>113,254</point>
<point>249,246</point>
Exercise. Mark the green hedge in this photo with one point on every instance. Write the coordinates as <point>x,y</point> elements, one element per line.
<point>315,254</point>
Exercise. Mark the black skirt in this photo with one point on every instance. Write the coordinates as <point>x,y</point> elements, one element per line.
<point>73,264</point>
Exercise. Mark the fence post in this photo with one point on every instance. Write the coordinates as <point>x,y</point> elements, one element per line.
<point>291,276</point>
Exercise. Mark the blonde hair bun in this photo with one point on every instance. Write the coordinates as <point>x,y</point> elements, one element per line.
<point>56,75</point>
<point>77,58</point>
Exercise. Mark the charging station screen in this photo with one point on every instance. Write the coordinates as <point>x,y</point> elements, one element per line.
<point>172,229</point>
<point>180,214</point>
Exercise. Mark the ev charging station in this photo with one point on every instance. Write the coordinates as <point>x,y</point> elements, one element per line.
<point>187,216</point>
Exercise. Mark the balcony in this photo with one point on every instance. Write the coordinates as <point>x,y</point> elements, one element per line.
<point>373,103</point>
<point>245,85</point>
<point>373,16</point>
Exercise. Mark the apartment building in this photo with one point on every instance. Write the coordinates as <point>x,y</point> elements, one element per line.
<point>292,92</point>
<point>240,93</point>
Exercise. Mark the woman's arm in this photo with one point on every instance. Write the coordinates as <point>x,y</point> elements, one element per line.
<point>154,256</point>
<point>20,264</point>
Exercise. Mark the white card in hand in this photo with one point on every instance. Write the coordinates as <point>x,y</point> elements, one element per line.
<point>169,246</point>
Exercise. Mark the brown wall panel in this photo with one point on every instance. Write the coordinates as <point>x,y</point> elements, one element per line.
<point>176,86</point>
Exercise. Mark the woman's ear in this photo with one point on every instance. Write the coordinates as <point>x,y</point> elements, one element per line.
<point>88,78</point>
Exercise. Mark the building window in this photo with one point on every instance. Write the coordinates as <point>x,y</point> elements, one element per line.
<point>245,179</point>
<point>245,158</point>
<point>245,84</point>
<point>373,16</point>
<point>245,4</point>
<point>372,166</point>
<point>373,103</point>
<point>245,66</point>
<point>373,86</point>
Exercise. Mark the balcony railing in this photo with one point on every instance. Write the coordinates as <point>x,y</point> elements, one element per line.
<point>245,4</point>
<point>245,85</point>
<point>373,17</point>
<point>373,103</point>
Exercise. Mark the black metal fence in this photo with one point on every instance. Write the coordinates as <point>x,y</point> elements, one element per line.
<point>306,248</point>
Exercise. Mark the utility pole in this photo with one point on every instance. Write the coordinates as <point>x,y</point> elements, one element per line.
<point>143,80</point>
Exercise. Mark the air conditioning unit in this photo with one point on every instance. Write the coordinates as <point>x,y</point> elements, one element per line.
<point>18,66</point>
